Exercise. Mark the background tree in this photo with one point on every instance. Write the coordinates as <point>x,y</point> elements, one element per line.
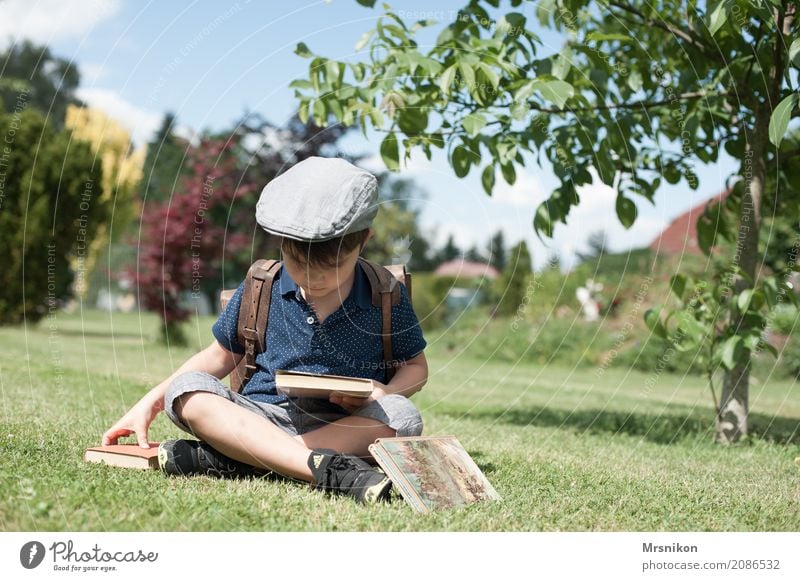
<point>596,243</point>
<point>164,163</point>
<point>182,241</point>
<point>122,171</point>
<point>496,250</point>
<point>49,82</point>
<point>511,287</point>
<point>449,251</point>
<point>46,178</point>
<point>475,255</point>
<point>640,92</point>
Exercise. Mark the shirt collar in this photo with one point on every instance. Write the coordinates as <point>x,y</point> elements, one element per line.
<point>361,293</point>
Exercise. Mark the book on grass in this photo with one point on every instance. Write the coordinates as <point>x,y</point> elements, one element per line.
<point>432,472</point>
<point>124,455</point>
<point>320,385</point>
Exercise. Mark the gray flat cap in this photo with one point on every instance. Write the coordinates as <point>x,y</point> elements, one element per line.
<point>318,199</point>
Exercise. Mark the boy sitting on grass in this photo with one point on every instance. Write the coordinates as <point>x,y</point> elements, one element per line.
<point>322,320</point>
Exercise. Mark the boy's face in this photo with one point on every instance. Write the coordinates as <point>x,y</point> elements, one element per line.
<point>320,282</point>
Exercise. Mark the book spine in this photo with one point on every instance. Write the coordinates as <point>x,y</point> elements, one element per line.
<point>397,477</point>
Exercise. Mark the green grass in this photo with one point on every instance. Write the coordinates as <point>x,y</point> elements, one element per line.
<point>567,449</point>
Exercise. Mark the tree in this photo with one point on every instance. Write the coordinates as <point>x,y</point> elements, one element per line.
<point>122,170</point>
<point>511,288</point>
<point>163,166</point>
<point>597,243</point>
<point>449,251</point>
<point>497,251</point>
<point>182,240</point>
<point>640,92</point>
<point>50,212</point>
<point>474,255</point>
<point>47,82</point>
<point>397,238</point>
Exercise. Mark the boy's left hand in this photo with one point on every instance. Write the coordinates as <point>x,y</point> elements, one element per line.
<point>351,404</point>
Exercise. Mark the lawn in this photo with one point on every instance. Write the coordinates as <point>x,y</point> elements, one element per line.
<point>567,449</point>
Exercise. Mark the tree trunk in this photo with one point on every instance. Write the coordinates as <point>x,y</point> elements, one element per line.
<point>733,404</point>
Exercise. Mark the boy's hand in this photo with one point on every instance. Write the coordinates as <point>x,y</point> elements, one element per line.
<point>136,421</point>
<point>351,404</point>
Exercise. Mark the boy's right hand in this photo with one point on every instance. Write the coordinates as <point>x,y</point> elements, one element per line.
<point>137,420</point>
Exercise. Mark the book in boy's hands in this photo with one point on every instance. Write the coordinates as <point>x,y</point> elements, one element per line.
<point>432,472</point>
<point>124,455</point>
<point>320,385</point>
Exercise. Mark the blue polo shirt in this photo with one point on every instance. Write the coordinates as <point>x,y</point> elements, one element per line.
<point>348,342</point>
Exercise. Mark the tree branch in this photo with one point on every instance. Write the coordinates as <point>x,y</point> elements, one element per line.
<point>633,105</point>
<point>673,29</point>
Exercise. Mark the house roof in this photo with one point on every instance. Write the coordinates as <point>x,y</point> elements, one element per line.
<point>458,267</point>
<point>680,237</point>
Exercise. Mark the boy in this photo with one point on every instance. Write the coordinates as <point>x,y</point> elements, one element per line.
<point>321,320</point>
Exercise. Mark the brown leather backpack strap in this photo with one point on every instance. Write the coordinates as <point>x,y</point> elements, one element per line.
<point>385,293</point>
<point>253,318</point>
<point>386,332</point>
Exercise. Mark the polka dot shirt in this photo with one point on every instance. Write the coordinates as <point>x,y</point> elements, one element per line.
<point>348,342</point>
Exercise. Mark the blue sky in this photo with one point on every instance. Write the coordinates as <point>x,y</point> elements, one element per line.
<point>208,62</point>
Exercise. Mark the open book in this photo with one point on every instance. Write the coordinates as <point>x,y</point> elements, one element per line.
<point>320,385</point>
<point>432,472</point>
<point>124,455</point>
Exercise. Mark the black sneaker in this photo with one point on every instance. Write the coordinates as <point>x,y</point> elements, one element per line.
<point>187,457</point>
<point>348,474</point>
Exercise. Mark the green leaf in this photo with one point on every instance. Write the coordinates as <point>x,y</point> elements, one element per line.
<point>706,234</point>
<point>525,91</point>
<point>320,113</point>
<point>468,74</point>
<point>376,117</point>
<point>362,42</point>
<point>412,120</point>
<point>794,52</point>
<point>635,81</point>
<point>446,80</point>
<point>780,119</point>
<point>626,210</point>
<point>490,75</point>
<point>652,318</point>
<point>509,173</point>
<point>302,50</point>
<point>718,17</point>
<point>473,123</point>
<point>599,37</point>
<point>487,179</point>
<point>301,84</point>
<point>460,160</point>
<point>743,300</point>
<point>555,91</point>
<point>731,350</point>
<point>519,110</point>
<point>390,152</point>
<point>302,112</point>
<point>543,220</point>
<point>677,284</point>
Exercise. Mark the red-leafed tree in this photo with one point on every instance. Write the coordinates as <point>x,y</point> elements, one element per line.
<point>184,239</point>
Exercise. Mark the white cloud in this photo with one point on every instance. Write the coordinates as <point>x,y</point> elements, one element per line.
<point>45,21</point>
<point>597,212</point>
<point>91,73</point>
<point>526,191</point>
<point>142,124</point>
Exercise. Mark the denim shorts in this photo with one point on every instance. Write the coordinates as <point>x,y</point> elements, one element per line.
<point>297,415</point>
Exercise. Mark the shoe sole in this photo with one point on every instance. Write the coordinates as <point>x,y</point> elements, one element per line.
<point>378,492</point>
<point>166,458</point>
